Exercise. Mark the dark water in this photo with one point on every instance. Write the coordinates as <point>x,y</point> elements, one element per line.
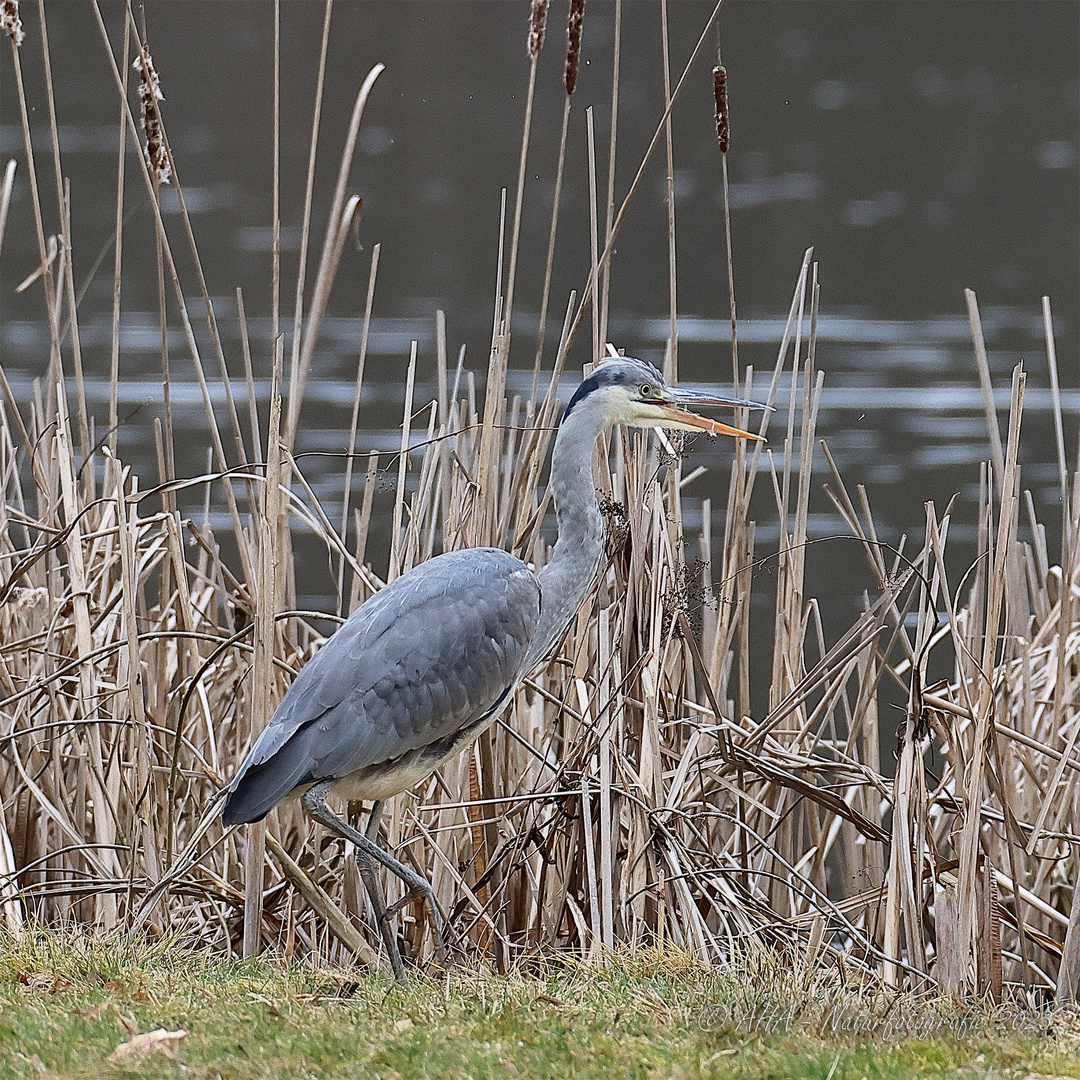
<point>919,147</point>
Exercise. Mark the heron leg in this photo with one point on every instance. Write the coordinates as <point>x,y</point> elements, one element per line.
<point>418,886</point>
<point>367,867</point>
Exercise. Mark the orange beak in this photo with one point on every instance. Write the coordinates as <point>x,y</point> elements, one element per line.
<point>688,419</point>
<point>685,419</point>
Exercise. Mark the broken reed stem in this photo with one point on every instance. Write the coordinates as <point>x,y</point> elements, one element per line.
<point>1055,390</point>
<point>985,384</point>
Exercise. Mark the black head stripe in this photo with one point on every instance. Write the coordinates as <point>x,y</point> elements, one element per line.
<point>593,382</point>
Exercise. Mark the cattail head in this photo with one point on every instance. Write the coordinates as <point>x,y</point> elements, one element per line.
<point>157,156</point>
<point>719,82</point>
<point>10,22</point>
<point>574,23</point>
<point>537,26</point>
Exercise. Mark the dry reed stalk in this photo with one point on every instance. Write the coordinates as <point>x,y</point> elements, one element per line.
<point>609,202</point>
<point>723,138</point>
<point>67,280</point>
<point>983,367</point>
<point>5,197</point>
<point>162,153</point>
<point>305,226</point>
<point>168,267</point>
<point>118,252</point>
<point>275,184</point>
<point>267,601</point>
<point>360,364</point>
<point>537,22</point>
<point>671,357</point>
<point>616,224</point>
<point>338,224</point>
<point>549,262</point>
<point>396,567</point>
<point>594,273</point>
<point>973,795</point>
<point>249,371</point>
<point>46,249</point>
<point>54,135</point>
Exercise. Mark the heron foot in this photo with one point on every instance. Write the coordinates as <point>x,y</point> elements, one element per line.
<point>423,892</point>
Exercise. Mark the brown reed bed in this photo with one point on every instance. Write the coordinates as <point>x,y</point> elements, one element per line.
<point>632,798</point>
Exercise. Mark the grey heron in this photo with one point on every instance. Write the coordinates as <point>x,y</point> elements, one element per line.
<point>418,671</point>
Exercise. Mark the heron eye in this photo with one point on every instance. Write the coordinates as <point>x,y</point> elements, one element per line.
<point>646,390</point>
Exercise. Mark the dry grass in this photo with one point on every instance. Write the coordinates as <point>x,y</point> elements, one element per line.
<point>79,1008</point>
<point>631,798</point>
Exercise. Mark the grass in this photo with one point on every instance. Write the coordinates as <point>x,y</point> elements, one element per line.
<point>67,1002</point>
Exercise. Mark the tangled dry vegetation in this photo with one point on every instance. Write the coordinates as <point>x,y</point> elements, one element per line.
<point>632,797</point>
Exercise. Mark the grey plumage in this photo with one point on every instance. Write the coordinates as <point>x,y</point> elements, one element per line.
<point>427,656</point>
<point>426,664</point>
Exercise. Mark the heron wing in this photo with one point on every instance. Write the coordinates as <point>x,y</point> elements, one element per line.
<point>425,657</point>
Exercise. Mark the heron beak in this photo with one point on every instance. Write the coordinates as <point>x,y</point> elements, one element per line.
<point>684,419</point>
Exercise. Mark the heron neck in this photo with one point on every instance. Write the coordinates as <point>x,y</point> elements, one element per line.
<point>569,575</point>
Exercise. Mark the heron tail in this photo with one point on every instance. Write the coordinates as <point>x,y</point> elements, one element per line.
<point>257,790</point>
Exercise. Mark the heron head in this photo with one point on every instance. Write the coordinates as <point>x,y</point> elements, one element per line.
<point>630,391</point>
